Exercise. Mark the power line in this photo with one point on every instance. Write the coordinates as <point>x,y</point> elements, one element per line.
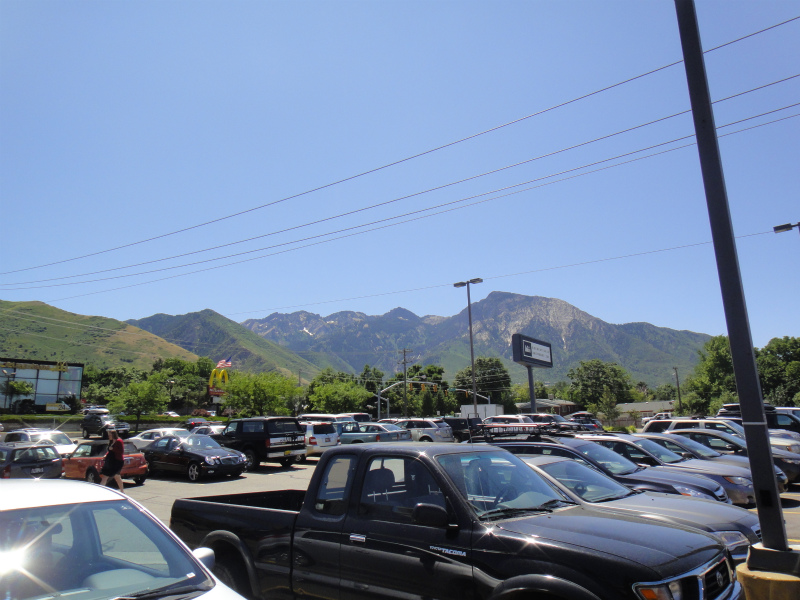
<point>397,162</point>
<point>363,225</point>
<point>488,277</point>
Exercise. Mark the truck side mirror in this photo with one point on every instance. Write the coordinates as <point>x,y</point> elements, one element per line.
<point>430,515</point>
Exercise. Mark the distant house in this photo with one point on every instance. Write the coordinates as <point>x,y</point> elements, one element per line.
<point>546,405</point>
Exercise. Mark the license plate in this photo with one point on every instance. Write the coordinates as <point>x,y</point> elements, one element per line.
<point>37,470</point>
<point>327,440</point>
<point>287,452</point>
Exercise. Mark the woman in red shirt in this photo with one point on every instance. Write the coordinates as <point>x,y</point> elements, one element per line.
<point>114,460</point>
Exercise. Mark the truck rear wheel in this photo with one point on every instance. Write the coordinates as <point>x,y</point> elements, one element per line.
<point>287,462</point>
<point>233,575</point>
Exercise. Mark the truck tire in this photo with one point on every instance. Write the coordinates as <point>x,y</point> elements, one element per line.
<point>287,462</point>
<point>425,439</point>
<point>233,575</point>
<point>251,460</point>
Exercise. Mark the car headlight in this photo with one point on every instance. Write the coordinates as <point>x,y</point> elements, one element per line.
<point>732,539</point>
<point>212,460</point>
<point>665,591</point>
<point>740,480</point>
<point>793,448</point>
<point>686,491</point>
<point>791,461</point>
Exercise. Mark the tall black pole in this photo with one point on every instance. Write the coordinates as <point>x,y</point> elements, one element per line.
<point>744,365</point>
<point>531,388</point>
<point>472,355</point>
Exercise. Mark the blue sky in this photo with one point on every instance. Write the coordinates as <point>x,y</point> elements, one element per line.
<point>122,122</point>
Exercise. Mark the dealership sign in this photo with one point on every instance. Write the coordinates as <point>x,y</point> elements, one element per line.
<point>531,352</point>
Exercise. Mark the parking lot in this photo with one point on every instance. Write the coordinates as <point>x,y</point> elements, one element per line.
<point>159,492</point>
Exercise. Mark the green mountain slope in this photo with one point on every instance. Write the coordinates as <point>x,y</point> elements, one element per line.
<point>38,331</point>
<point>208,333</point>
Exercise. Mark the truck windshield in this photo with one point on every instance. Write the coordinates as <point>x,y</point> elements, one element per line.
<point>498,484</point>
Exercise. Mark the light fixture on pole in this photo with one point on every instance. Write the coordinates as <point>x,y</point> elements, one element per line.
<point>786,227</point>
<point>461,284</point>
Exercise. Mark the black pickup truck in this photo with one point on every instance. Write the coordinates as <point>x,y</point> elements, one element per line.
<point>445,521</point>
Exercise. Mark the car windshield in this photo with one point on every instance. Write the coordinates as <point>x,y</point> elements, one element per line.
<point>54,436</point>
<point>585,482</point>
<point>390,427</point>
<point>92,551</point>
<point>499,484</point>
<point>200,442</point>
<point>699,449</point>
<point>614,463</point>
<point>667,456</point>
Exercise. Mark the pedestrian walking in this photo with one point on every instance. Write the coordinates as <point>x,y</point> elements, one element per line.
<point>114,460</point>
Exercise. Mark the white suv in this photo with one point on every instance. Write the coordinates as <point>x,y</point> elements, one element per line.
<point>319,435</point>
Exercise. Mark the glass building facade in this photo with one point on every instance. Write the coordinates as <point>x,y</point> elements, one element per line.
<point>52,381</point>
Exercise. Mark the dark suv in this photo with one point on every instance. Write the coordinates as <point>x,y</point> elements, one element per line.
<point>265,439</point>
<point>465,428</point>
<point>100,423</point>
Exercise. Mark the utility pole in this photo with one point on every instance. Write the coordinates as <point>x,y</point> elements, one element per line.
<point>774,547</point>
<point>678,385</point>
<point>404,362</point>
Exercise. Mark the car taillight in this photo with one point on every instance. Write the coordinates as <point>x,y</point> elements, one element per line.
<point>266,442</point>
<point>312,441</point>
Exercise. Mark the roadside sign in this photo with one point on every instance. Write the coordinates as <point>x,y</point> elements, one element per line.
<point>531,352</point>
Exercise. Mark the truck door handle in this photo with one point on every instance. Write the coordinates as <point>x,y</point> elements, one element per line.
<point>354,537</point>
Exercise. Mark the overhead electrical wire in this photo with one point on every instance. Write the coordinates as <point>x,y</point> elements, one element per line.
<point>397,162</point>
<point>367,208</point>
<point>73,325</point>
<point>402,216</point>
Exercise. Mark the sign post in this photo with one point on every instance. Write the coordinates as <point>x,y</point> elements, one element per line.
<point>531,353</point>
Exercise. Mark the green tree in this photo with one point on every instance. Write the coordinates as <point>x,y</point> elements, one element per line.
<point>141,397</point>
<point>339,397</point>
<point>18,389</point>
<point>665,392</point>
<point>713,374</point>
<point>779,369</point>
<point>593,378</point>
<point>371,379</point>
<point>259,394</point>
<point>491,380</point>
<point>606,408</point>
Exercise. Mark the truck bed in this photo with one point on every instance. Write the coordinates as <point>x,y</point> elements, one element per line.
<point>195,518</point>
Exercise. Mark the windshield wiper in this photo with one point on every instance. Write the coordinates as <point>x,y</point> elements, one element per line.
<point>184,591</point>
<point>508,511</point>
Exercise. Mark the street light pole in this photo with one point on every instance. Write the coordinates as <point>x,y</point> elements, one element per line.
<point>471,346</point>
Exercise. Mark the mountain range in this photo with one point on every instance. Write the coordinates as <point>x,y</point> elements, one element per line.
<point>300,344</point>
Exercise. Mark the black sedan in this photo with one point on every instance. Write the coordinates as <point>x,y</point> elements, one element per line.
<point>195,455</point>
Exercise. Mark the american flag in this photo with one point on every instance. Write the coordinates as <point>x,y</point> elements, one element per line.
<point>224,363</point>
